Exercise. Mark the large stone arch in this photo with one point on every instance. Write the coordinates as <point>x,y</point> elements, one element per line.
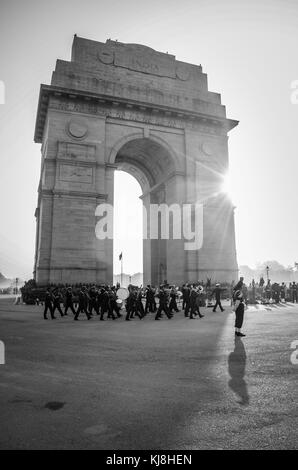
<point>149,160</point>
<point>135,136</point>
<point>127,106</point>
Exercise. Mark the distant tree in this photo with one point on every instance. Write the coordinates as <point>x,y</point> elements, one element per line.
<point>273,266</point>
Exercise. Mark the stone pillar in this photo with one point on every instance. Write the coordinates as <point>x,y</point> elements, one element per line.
<point>147,254</point>
<point>175,247</point>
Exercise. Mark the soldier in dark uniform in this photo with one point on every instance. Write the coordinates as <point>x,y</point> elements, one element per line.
<point>130,301</point>
<point>139,303</point>
<point>48,305</point>
<point>163,304</point>
<point>150,305</point>
<point>173,302</point>
<point>133,306</point>
<point>86,300</point>
<point>112,305</point>
<point>92,300</point>
<point>57,299</point>
<point>69,301</point>
<point>82,305</point>
<point>194,305</point>
<point>104,307</point>
<point>185,295</point>
<point>185,300</point>
<point>217,294</point>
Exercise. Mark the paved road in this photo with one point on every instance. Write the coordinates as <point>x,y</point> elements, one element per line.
<point>173,384</point>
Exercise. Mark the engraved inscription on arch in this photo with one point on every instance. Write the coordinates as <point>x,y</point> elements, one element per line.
<point>75,174</point>
<point>76,152</point>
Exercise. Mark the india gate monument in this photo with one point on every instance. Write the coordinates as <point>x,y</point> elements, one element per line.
<point>131,108</point>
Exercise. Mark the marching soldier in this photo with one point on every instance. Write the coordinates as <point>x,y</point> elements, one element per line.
<point>86,299</point>
<point>139,303</point>
<point>104,303</point>
<point>217,294</point>
<point>185,295</point>
<point>163,304</point>
<point>82,307</point>
<point>133,306</point>
<point>112,305</point>
<point>57,299</point>
<point>186,299</point>
<point>69,301</point>
<point>129,305</point>
<point>150,305</point>
<point>48,305</point>
<point>92,300</point>
<point>193,303</point>
<point>173,302</point>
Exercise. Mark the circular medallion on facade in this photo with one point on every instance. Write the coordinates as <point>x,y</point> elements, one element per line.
<point>77,128</point>
<point>182,72</point>
<point>106,56</point>
<point>207,148</point>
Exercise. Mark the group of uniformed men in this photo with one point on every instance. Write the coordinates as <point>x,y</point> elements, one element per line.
<point>104,300</point>
<point>100,301</point>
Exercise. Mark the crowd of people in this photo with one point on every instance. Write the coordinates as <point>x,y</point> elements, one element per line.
<point>103,301</point>
<point>275,292</point>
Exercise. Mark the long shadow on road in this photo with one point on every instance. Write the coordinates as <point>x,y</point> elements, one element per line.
<point>236,367</point>
<point>122,385</point>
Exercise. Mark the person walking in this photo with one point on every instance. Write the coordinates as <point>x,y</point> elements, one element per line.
<point>173,301</point>
<point>150,302</point>
<point>185,296</point>
<point>83,307</point>
<point>193,304</point>
<point>48,305</point>
<point>57,299</point>
<point>163,304</point>
<point>69,301</point>
<point>217,294</point>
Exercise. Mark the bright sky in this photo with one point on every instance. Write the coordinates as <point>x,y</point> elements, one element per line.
<point>247,48</point>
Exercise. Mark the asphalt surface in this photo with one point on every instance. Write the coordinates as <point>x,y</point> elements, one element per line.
<point>172,384</point>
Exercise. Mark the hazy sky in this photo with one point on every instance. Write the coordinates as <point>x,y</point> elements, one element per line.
<point>247,48</point>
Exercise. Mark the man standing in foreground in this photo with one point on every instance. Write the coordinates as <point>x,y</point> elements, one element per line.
<point>239,312</point>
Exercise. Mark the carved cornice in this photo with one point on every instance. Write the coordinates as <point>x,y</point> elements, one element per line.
<point>46,91</point>
<point>72,193</point>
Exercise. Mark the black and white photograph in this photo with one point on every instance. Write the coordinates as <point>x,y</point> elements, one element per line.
<point>149,228</point>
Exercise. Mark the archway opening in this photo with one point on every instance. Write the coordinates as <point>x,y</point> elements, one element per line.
<point>128,230</point>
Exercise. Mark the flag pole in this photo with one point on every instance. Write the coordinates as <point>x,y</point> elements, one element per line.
<point>121,267</point>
